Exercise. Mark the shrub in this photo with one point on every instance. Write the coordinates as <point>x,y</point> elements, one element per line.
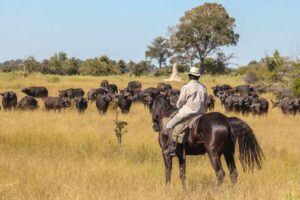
<point>161,72</point>
<point>182,68</point>
<point>296,87</point>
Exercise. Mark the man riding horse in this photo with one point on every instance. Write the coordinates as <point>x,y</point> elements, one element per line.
<point>191,103</point>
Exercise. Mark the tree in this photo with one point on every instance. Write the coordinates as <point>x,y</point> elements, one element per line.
<point>159,50</point>
<point>140,68</point>
<point>71,66</point>
<point>203,30</point>
<point>216,65</point>
<point>30,64</point>
<point>122,66</point>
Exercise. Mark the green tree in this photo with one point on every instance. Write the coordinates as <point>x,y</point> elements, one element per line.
<point>122,66</point>
<point>274,62</point>
<point>71,66</point>
<point>30,65</point>
<point>159,50</point>
<point>216,65</point>
<point>98,67</point>
<point>203,30</point>
<point>140,68</point>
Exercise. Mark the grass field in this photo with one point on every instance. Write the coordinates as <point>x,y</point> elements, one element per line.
<point>47,155</point>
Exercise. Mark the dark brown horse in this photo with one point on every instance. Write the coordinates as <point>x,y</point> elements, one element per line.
<point>214,134</point>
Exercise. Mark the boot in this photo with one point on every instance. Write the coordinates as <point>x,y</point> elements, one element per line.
<point>171,150</point>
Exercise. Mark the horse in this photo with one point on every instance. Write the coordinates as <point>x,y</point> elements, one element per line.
<point>213,133</point>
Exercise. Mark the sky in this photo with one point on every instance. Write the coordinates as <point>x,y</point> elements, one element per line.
<point>122,29</point>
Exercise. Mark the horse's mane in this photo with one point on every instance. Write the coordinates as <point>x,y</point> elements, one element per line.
<point>162,102</point>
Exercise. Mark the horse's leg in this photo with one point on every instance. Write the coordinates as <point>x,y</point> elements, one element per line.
<point>168,167</point>
<point>182,164</point>
<point>229,157</point>
<point>216,163</point>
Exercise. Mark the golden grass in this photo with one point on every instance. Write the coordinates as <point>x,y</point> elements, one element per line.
<point>47,155</point>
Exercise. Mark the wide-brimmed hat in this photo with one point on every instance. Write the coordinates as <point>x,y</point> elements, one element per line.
<point>195,71</point>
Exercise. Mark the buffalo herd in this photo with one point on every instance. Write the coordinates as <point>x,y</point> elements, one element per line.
<point>244,99</point>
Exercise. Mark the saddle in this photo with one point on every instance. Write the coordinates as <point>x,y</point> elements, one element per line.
<point>182,131</point>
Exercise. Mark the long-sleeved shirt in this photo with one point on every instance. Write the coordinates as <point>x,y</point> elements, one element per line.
<point>192,99</point>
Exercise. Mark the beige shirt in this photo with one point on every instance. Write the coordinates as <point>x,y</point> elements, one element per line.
<point>192,99</point>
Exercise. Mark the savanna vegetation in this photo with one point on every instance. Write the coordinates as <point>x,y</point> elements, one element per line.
<point>47,155</point>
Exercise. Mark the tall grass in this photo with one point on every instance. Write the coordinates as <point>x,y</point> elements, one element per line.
<point>47,155</point>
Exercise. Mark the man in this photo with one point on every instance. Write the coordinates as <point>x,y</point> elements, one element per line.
<point>191,102</point>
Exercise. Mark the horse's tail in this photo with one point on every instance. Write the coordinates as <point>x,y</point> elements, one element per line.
<point>251,155</point>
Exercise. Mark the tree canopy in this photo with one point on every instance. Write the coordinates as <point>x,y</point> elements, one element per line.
<point>159,50</point>
<point>203,30</point>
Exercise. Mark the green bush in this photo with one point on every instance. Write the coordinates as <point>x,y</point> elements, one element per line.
<point>162,72</point>
<point>296,87</point>
<point>182,68</point>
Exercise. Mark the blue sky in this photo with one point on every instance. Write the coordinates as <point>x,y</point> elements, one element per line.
<point>122,29</point>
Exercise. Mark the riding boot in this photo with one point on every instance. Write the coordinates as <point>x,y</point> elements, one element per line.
<point>171,150</point>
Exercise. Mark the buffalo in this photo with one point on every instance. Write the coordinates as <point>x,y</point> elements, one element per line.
<point>125,100</point>
<point>102,102</point>
<point>163,87</point>
<point>260,106</point>
<point>27,103</point>
<point>134,85</point>
<point>93,93</point>
<point>210,102</point>
<point>243,90</point>
<point>9,100</point>
<point>81,104</point>
<point>220,88</point>
<point>37,92</point>
<point>287,105</point>
<point>71,93</point>
<point>56,103</point>
<point>113,88</point>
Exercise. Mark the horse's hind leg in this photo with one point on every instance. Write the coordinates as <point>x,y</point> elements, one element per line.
<point>216,163</point>
<point>229,157</point>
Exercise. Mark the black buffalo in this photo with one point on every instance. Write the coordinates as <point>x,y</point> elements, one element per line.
<point>210,103</point>
<point>163,87</point>
<point>56,103</point>
<point>71,93</point>
<point>81,104</point>
<point>9,100</point>
<point>243,90</point>
<point>27,103</point>
<point>134,85</point>
<point>113,88</point>
<point>260,106</point>
<point>220,88</point>
<point>37,92</point>
<point>125,100</point>
<point>93,93</point>
<point>102,102</point>
<point>287,105</point>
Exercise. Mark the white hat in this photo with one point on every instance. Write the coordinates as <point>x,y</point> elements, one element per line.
<point>194,71</point>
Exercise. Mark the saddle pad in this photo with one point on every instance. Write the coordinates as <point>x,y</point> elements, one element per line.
<point>179,130</point>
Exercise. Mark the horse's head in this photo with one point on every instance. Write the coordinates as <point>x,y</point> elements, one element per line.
<point>160,108</point>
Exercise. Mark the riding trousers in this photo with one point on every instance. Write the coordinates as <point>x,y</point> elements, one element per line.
<point>174,121</point>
